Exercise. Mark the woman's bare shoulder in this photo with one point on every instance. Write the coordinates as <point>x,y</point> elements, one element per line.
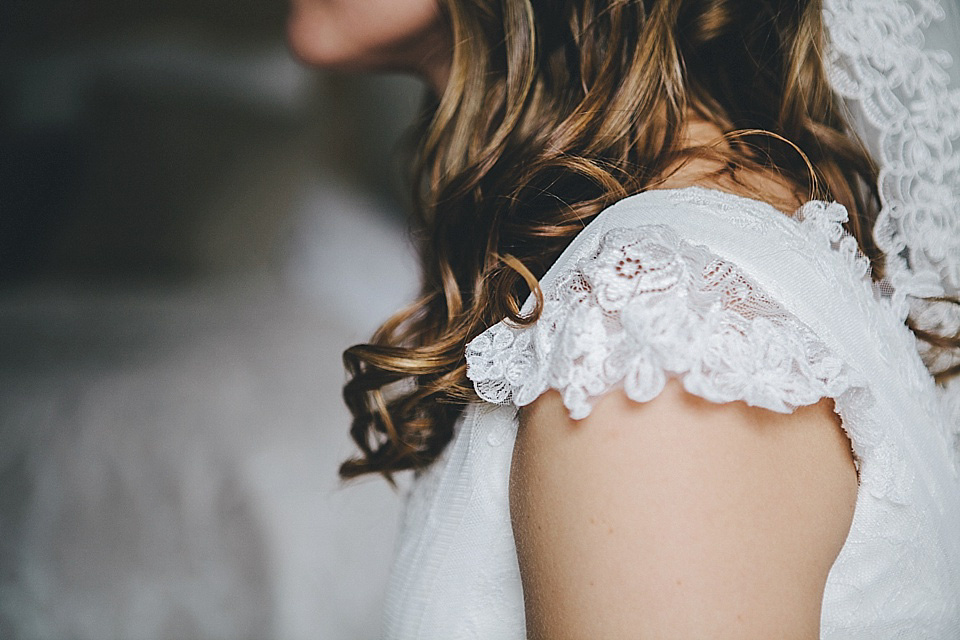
<point>678,517</point>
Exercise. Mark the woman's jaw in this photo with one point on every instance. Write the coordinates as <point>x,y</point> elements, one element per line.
<point>408,36</point>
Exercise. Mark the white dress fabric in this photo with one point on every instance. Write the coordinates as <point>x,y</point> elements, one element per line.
<point>739,302</point>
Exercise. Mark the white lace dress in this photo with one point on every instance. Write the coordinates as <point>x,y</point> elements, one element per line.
<point>740,302</point>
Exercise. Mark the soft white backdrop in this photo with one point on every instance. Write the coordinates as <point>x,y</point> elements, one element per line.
<point>173,450</point>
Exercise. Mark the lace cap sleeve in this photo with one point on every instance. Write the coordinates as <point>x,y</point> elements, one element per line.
<point>640,305</point>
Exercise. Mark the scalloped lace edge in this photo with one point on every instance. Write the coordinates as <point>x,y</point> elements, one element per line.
<point>515,365</point>
<point>926,114</point>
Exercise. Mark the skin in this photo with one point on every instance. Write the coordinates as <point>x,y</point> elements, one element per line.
<point>677,518</point>
<point>409,36</point>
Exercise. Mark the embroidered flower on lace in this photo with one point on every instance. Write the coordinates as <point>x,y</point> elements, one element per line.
<point>645,305</point>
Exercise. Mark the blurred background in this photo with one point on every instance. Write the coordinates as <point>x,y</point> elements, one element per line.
<point>192,229</point>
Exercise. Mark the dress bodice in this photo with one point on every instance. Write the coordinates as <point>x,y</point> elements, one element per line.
<point>739,302</point>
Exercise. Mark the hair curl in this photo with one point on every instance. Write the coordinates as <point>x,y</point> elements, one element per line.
<point>554,110</point>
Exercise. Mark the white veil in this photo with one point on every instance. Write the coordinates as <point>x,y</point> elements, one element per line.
<point>897,65</point>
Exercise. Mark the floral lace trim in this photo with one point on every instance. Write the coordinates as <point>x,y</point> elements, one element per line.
<point>602,327</point>
<point>646,305</point>
<point>903,93</point>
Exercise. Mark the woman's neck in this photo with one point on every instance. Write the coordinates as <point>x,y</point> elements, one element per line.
<point>710,171</point>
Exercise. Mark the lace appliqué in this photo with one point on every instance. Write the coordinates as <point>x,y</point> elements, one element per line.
<point>646,305</point>
<point>903,92</point>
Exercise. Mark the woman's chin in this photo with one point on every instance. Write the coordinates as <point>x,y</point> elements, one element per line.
<point>322,42</point>
<point>328,51</point>
<point>308,45</point>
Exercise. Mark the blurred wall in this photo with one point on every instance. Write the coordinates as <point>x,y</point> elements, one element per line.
<point>192,228</point>
<point>161,138</point>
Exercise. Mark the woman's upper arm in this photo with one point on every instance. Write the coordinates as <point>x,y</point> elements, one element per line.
<point>678,518</point>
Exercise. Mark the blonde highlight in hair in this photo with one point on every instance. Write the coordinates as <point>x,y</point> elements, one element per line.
<point>554,111</point>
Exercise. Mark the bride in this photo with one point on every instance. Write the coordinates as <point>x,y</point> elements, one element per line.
<point>681,364</point>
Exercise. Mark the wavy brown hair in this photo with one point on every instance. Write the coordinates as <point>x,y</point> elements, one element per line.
<point>554,110</point>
